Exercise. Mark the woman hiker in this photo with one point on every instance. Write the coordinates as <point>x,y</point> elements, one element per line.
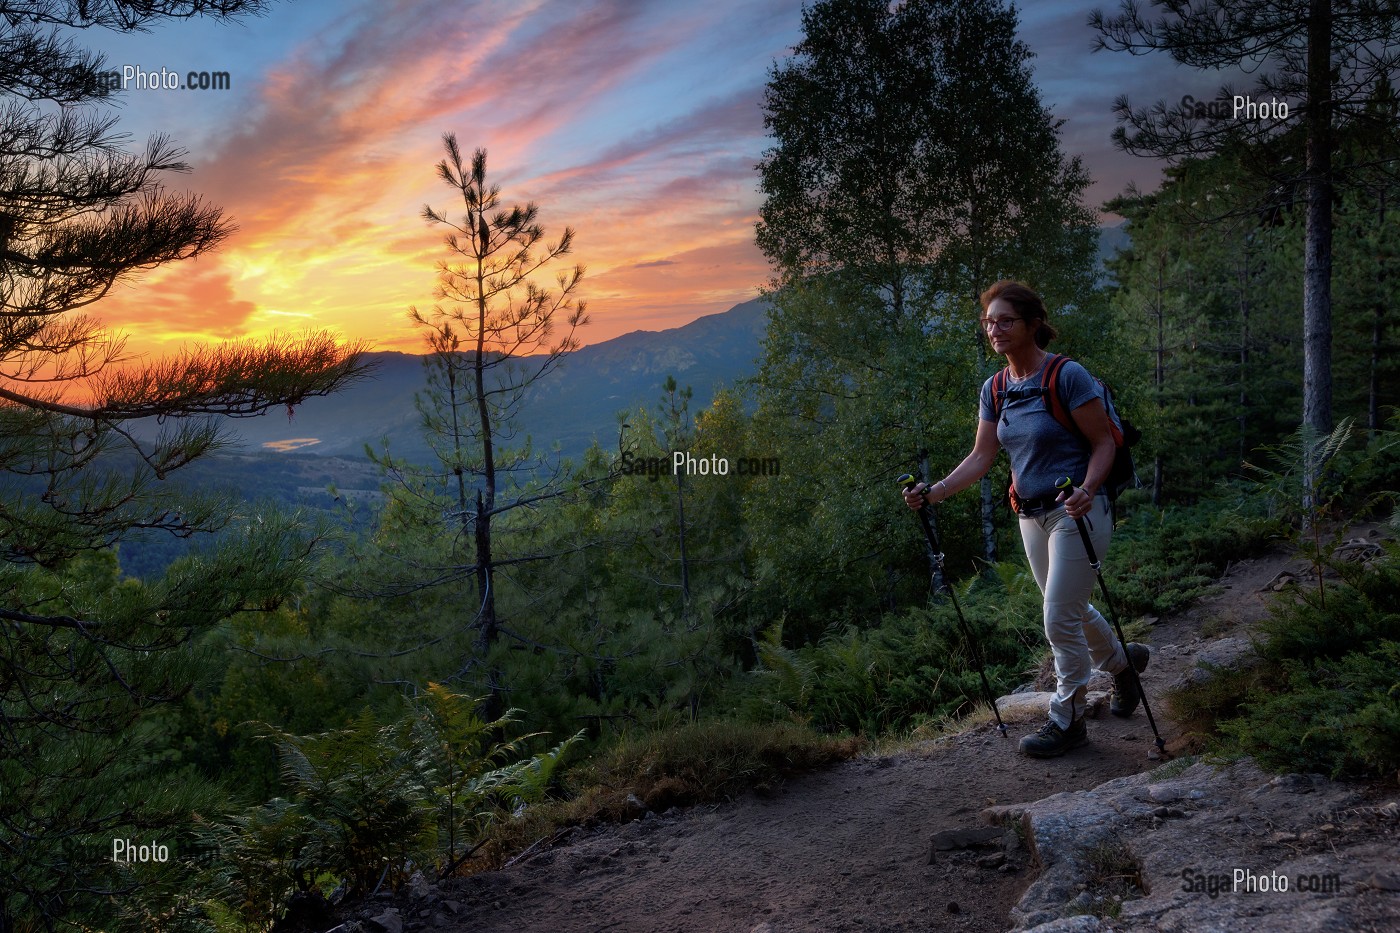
<point>1042,451</point>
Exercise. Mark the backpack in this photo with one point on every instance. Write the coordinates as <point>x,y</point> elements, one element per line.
<point>1122,475</point>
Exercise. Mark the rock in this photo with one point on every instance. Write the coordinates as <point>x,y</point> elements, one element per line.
<point>1224,654</point>
<point>1164,793</point>
<point>995,860</point>
<point>419,889</point>
<point>1298,783</point>
<point>1082,924</point>
<point>951,839</point>
<point>387,922</point>
<point>1383,882</point>
<point>1088,841</point>
<point>634,809</point>
<point>1004,814</point>
<point>1022,707</point>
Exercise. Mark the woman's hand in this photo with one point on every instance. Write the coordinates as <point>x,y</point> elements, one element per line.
<point>1078,503</point>
<point>914,496</point>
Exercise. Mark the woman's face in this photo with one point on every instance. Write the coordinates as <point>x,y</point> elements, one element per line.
<point>1005,329</point>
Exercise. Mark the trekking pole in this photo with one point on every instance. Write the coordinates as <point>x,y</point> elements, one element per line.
<point>908,481</point>
<point>1068,486</point>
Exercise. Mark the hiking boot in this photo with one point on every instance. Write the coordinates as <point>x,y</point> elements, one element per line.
<point>1051,740</point>
<point>1126,693</point>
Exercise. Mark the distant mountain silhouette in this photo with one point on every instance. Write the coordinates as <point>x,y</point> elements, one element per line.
<point>571,406</point>
<point>575,403</point>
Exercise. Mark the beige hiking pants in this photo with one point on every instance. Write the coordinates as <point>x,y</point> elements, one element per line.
<point>1079,635</point>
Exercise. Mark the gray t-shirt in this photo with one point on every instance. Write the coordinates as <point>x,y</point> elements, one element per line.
<point>1041,450</point>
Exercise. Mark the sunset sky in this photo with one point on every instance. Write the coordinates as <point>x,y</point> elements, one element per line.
<point>637,122</point>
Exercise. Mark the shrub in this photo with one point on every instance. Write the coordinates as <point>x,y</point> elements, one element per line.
<point>914,667</point>
<point>1163,559</point>
<point>365,803</point>
<point>1327,697</point>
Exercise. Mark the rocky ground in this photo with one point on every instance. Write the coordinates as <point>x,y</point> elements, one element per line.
<point>965,834</point>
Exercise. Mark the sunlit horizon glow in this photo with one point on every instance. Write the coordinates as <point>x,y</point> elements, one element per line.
<point>638,125</point>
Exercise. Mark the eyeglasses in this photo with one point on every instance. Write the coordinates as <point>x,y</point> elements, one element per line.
<point>1002,324</point>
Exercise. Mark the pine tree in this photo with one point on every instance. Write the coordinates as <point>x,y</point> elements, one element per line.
<point>85,656</point>
<point>496,333</point>
<point>913,165</point>
<point>1326,58</point>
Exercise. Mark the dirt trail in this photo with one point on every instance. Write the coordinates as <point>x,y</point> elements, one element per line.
<point>842,850</point>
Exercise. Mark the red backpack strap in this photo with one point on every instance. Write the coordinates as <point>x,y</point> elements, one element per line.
<point>998,396</point>
<point>1050,386</point>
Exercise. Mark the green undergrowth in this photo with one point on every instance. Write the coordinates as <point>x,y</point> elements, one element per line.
<point>1326,697</point>
<point>1162,560</point>
<point>913,671</point>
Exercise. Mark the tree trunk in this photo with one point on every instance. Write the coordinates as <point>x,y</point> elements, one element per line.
<point>488,629</point>
<point>1373,403</point>
<point>1159,379</point>
<point>1243,416</point>
<point>1317,255</point>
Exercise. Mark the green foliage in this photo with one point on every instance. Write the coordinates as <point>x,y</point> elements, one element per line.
<point>366,803</point>
<point>893,197</point>
<point>472,778</point>
<point>1326,697</point>
<point>1338,717</point>
<point>914,667</point>
<point>1163,559</point>
<point>87,758</point>
<point>1293,477</point>
<point>1207,307</point>
<point>263,858</point>
<point>357,791</point>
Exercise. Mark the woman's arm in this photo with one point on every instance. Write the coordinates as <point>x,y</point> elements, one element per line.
<point>973,467</point>
<point>1092,420</point>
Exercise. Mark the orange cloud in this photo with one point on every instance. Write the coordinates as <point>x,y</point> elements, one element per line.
<point>328,171</point>
<point>194,299</point>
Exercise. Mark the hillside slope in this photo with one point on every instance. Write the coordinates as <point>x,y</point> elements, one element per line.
<point>965,834</point>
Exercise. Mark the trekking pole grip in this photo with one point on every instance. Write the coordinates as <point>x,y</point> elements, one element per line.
<point>1068,485</point>
<point>909,481</point>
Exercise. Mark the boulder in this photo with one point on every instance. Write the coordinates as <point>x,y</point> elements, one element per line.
<point>1239,850</point>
